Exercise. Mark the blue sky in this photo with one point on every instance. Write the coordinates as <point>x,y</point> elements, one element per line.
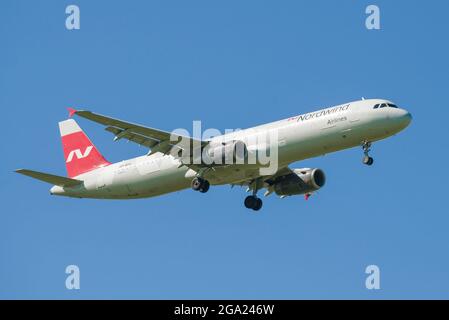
<point>230,64</point>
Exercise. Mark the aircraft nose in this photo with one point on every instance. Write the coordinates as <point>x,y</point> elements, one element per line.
<point>406,118</point>
<point>401,118</point>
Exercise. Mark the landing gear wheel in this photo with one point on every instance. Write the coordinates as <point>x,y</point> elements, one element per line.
<point>201,185</point>
<point>252,202</point>
<point>258,205</point>
<point>197,183</point>
<point>368,160</point>
<point>205,186</point>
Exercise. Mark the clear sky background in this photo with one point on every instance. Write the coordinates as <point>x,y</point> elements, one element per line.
<point>230,64</point>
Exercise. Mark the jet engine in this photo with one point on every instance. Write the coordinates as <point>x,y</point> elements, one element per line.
<point>301,181</point>
<point>227,153</point>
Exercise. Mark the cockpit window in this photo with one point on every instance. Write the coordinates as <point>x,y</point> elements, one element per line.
<point>385,105</point>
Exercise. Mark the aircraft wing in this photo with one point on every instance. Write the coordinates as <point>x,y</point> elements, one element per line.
<point>155,139</point>
<point>280,173</point>
<point>266,181</point>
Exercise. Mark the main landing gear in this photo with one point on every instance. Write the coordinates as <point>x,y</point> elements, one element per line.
<point>366,149</point>
<point>200,184</point>
<point>253,201</point>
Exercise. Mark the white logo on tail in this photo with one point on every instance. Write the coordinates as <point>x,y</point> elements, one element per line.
<point>78,154</point>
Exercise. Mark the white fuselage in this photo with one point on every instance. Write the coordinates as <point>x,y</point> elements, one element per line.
<point>301,137</point>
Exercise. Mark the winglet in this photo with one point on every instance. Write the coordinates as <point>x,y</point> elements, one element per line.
<point>71,112</point>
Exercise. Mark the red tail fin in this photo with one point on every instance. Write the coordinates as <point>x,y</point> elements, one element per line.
<point>79,152</point>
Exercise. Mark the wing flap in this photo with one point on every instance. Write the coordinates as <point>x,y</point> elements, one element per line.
<point>134,137</point>
<point>50,178</point>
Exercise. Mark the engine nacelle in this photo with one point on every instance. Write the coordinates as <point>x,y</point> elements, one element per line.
<point>301,181</point>
<point>227,153</point>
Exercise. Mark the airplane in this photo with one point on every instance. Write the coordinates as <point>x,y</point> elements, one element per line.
<point>165,169</point>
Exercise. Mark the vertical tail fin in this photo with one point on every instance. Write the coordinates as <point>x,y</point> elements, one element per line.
<point>79,152</point>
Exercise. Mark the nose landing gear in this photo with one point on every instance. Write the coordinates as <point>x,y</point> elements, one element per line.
<point>366,149</point>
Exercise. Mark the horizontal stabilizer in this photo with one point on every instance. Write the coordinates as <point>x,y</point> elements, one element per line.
<point>50,178</point>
